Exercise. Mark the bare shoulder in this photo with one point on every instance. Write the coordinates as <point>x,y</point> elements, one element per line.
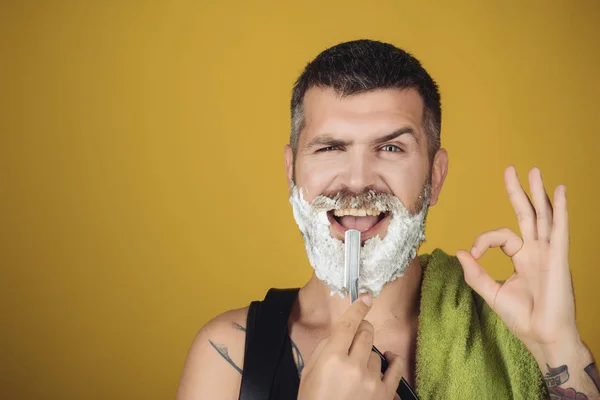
<point>213,368</point>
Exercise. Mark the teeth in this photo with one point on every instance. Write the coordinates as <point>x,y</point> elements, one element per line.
<point>357,212</point>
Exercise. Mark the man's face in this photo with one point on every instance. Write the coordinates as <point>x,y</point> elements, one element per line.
<point>373,140</point>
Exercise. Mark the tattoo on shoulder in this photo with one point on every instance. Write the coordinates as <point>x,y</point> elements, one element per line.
<point>558,376</point>
<point>298,359</point>
<point>592,372</point>
<point>222,350</point>
<point>238,327</point>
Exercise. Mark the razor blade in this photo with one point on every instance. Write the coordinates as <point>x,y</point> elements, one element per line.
<point>352,263</point>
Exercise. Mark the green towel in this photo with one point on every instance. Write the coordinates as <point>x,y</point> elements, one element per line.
<point>464,350</point>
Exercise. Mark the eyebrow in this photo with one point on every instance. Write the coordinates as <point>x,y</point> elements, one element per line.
<point>397,133</point>
<point>328,139</point>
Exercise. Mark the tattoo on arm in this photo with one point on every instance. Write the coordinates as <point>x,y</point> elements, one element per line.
<point>558,376</point>
<point>592,372</point>
<point>222,350</point>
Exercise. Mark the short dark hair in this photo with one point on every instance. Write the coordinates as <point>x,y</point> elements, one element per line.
<point>363,65</point>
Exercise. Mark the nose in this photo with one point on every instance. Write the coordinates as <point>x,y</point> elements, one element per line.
<point>360,173</point>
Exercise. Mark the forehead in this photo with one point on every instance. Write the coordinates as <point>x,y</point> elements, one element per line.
<point>383,110</point>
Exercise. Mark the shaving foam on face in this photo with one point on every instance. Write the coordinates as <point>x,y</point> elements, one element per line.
<point>381,260</point>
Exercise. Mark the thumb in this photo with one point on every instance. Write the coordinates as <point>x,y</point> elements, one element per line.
<point>478,278</point>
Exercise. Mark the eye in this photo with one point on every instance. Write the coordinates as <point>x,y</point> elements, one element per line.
<point>391,148</point>
<point>327,149</point>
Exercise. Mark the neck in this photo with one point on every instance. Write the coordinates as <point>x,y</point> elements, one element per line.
<point>397,302</point>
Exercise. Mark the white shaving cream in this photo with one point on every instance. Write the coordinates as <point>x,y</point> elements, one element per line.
<point>381,260</point>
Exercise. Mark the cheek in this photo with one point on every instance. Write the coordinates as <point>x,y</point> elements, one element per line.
<point>315,177</point>
<point>406,184</point>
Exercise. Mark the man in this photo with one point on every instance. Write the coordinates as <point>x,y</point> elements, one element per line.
<point>365,154</point>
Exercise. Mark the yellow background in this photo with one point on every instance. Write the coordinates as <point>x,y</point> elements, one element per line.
<point>142,188</point>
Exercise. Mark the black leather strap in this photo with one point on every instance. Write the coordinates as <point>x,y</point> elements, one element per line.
<point>404,390</point>
<point>266,334</point>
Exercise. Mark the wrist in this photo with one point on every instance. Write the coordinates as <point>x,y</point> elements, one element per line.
<point>569,349</point>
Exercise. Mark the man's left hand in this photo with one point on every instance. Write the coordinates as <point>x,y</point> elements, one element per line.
<point>536,302</point>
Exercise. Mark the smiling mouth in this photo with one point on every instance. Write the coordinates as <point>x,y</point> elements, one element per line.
<point>367,221</point>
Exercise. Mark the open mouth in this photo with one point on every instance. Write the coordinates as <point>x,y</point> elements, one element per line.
<point>367,221</point>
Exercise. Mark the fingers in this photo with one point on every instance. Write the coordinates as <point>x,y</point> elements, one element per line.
<point>392,376</point>
<point>541,202</point>
<point>342,334</point>
<point>560,228</point>
<point>507,240</point>
<point>521,204</point>
<point>475,275</point>
<point>540,221</point>
<point>478,278</point>
<point>363,343</point>
<point>374,364</point>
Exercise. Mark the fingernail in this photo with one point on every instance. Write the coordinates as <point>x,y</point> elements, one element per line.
<point>367,299</point>
<point>473,251</point>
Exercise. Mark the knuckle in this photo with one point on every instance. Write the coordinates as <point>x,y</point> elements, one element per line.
<point>480,238</point>
<point>345,324</point>
<point>523,216</point>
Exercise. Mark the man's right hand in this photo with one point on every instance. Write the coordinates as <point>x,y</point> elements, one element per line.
<point>343,365</point>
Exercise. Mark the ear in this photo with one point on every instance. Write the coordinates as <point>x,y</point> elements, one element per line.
<point>439,170</point>
<point>288,157</point>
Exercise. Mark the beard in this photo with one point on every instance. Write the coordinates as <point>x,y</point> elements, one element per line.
<point>381,260</point>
